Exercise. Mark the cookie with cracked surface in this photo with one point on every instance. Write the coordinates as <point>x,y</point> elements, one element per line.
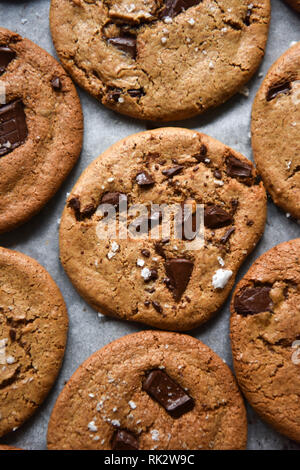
<point>160,59</point>
<point>294,4</point>
<point>33,333</point>
<point>157,390</point>
<point>275,131</point>
<point>40,128</point>
<point>155,275</point>
<point>265,333</point>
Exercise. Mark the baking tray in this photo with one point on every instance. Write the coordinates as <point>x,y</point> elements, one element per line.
<point>38,238</point>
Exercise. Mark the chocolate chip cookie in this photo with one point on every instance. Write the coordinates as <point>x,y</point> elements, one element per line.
<point>121,253</point>
<point>265,334</point>
<point>160,59</point>
<point>275,131</point>
<point>294,4</point>
<point>40,128</point>
<point>150,390</point>
<point>33,333</point>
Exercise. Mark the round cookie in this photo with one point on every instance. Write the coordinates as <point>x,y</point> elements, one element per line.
<point>33,334</point>
<point>162,279</point>
<point>150,390</point>
<point>265,332</point>
<point>160,60</point>
<point>275,131</point>
<point>294,4</point>
<point>40,128</point>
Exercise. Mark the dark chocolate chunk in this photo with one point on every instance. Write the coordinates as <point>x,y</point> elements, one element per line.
<point>227,235</point>
<point>86,213</point>
<point>56,83</point>
<point>252,300</point>
<point>146,253</point>
<point>147,303</point>
<point>234,203</point>
<point>216,217</point>
<point>144,179</point>
<point>275,90</point>
<point>157,306</point>
<point>125,43</point>
<point>170,172</point>
<point>174,7</point>
<point>169,394</point>
<point>12,334</point>
<point>159,250</point>
<point>114,198</point>
<point>217,174</point>
<point>237,168</point>
<point>152,276</point>
<point>6,56</point>
<point>247,17</point>
<point>13,128</point>
<point>136,92</point>
<point>179,271</point>
<point>113,93</point>
<point>124,440</point>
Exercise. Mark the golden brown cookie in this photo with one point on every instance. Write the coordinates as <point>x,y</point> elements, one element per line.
<point>275,131</point>
<point>294,3</point>
<point>33,333</point>
<point>40,128</point>
<point>160,60</point>
<point>150,390</point>
<point>265,333</point>
<point>157,278</point>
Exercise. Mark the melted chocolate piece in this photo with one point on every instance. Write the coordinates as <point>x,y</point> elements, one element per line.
<point>252,300</point>
<point>157,306</point>
<point>114,94</point>
<point>146,253</point>
<point>13,128</point>
<point>56,84</point>
<point>217,174</point>
<point>86,213</point>
<point>236,168</point>
<point>6,56</point>
<point>153,275</point>
<point>170,172</point>
<point>275,90</point>
<point>124,440</point>
<point>168,393</point>
<point>174,7</point>
<point>247,18</point>
<point>144,179</point>
<point>216,217</point>
<point>200,157</point>
<point>115,199</point>
<point>179,272</point>
<point>12,334</point>
<point>227,235</point>
<point>125,44</point>
<point>159,250</point>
